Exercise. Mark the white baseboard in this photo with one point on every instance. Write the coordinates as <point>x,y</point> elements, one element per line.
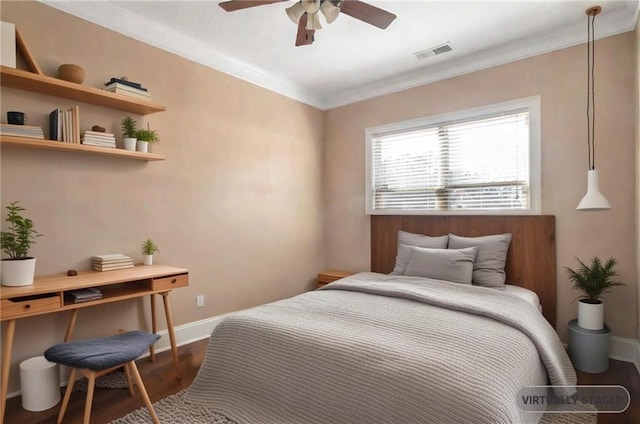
<point>627,350</point>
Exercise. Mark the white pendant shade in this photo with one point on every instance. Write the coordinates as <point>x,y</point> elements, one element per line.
<point>313,22</point>
<point>593,200</point>
<point>295,12</point>
<point>329,11</point>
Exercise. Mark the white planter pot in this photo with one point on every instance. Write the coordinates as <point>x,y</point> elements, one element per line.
<point>147,259</point>
<point>143,146</point>
<point>129,143</point>
<point>18,272</point>
<point>591,315</point>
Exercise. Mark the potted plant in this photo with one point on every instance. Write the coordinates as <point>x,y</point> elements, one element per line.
<point>129,133</point>
<point>19,269</point>
<point>145,137</point>
<point>593,281</point>
<point>148,249</point>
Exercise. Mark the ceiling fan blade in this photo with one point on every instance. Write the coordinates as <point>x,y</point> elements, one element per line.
<point>304,37</point>
<point>232,5</point>
<point>367,13</point>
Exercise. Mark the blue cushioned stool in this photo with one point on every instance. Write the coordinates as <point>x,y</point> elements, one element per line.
<point>100,356</point>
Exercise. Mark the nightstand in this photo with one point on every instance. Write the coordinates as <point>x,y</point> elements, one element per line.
<point>589,349</point>
<point>327,277</point>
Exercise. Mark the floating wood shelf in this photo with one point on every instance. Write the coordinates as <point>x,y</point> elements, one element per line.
<point>29,81</point>
<point>7,140</point>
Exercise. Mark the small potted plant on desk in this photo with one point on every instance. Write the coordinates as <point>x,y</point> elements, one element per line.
<point>19,269</point>
<point>148,249</point>
<point>145,137</point>
<point>129,133</point>
<point>593,281</point>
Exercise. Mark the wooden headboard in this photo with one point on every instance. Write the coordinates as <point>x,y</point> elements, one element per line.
<point>531,260</point>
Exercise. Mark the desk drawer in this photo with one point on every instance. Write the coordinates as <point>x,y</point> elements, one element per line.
<point>168,283</point>
<point>21,306</point>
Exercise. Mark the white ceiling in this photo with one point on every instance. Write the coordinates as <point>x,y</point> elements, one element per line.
<point>351,60</point>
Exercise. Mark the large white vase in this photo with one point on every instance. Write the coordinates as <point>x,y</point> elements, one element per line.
<point>591,315</point>
<point>18,272</point>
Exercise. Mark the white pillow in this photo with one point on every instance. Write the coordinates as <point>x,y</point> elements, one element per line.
<point>406,240</point>
<point>492,257</point>
<point>455,265</point>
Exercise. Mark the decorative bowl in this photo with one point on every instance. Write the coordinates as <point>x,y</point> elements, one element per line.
<point>71,72</point>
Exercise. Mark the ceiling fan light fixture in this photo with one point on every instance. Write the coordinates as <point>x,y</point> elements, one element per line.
<point>329,11</point>
<point>295,12</point>
<point>313,22</point>
<point>310,6</point>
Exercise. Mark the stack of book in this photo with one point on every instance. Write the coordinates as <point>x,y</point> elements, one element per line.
<point>28,131</point>
<point>111,262</point>
<point>85,295</point>
<point>127,88</point>
<point>101,139</point>
<point>64,125</point>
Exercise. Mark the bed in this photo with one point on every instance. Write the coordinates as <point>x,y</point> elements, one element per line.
<point>380,348</point>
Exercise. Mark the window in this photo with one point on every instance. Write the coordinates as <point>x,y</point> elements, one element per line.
<point>478,161</point>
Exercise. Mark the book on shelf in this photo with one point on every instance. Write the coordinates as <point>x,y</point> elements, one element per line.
<point>111,268</point>
<point>55,125</point>
<point>118,86</point>
<point>99,139</point>
<point>131,94</point>
<point>28,131</point>
<point>125,82</point>
<point>111,257</point>
<point>85,295</point>
<point>64,125</point>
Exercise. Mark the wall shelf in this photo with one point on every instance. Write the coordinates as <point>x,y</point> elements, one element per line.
<point>29,81</point>
<point>7,140</point>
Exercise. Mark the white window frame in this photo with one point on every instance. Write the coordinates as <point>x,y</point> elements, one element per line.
<point>531,104</point>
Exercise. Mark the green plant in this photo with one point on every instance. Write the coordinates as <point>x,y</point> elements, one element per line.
<point>147,135</point>
<point>128,127</point>
<point>149,247</point>
<point>20,236</point>
<point>595,280</point>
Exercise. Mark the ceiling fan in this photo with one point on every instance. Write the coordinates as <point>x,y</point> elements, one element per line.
<point>306,13</point>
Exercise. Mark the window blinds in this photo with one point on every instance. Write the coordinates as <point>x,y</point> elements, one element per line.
<point>477,164</point>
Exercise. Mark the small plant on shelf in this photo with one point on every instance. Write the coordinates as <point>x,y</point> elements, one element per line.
<point>129,127</point>
<point>150,136</point>
<point>148,249</point>
<point>129,133</point>
<point>146,137</point>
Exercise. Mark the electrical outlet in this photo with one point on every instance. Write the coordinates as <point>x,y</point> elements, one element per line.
<point>200,300</point>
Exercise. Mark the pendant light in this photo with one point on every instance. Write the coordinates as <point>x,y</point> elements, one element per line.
<point>593,200</point>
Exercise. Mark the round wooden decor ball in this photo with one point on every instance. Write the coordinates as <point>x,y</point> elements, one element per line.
<point>71,72</point>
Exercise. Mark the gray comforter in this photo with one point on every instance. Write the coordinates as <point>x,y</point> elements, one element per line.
<point>374,348</point>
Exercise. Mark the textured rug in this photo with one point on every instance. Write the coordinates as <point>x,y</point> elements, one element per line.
<point>174,410</point>
<point>115,380</point>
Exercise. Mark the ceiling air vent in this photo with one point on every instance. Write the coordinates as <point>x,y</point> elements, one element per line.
<point>433,51</point>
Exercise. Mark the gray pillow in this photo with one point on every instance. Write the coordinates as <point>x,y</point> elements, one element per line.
<point>488,270</point>
<point>455,265</point>
<point>406,240</point>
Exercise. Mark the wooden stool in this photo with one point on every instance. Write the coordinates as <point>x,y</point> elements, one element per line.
<point>100,356</point>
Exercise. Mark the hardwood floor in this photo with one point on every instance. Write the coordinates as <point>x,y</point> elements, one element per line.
<point>160,381</point>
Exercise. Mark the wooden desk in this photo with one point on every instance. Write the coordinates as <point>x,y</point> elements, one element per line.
<point>47,295</point>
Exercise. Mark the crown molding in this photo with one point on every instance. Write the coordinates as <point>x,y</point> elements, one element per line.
<point>108,15</point>
<point>115,18</point>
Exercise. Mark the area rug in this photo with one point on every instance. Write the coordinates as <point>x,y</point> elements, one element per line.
<point>174,410</point>
<point>114,380</point>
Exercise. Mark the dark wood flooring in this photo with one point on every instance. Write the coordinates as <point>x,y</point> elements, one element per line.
<point>160,381</point>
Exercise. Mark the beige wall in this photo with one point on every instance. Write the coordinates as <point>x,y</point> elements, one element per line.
<point>560,79</point>
<point>238,202</point>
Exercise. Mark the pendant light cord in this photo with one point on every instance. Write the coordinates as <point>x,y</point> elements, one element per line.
<point>591,98</point>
